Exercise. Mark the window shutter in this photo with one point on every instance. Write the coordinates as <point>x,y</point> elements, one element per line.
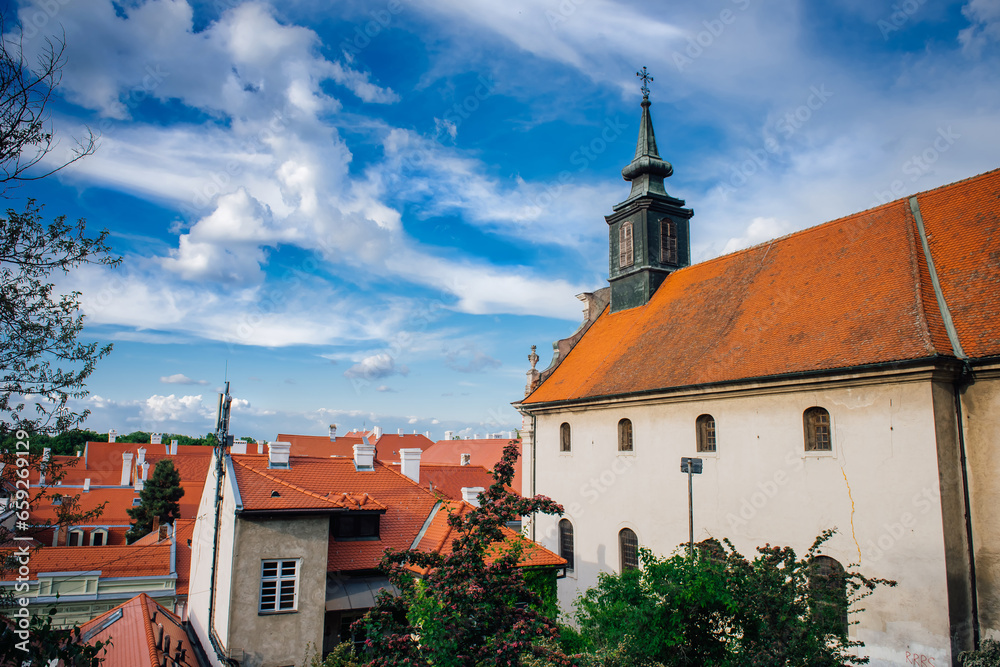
<point>626,254</point>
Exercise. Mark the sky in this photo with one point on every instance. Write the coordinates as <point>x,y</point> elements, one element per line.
<point>366,213</point>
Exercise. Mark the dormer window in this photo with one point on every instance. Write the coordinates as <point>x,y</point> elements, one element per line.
<point>626,253</point>
<point>358,526</point>
<point>75,538</point>
<point>99,537</point>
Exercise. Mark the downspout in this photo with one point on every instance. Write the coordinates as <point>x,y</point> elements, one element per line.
<point>963,380</point>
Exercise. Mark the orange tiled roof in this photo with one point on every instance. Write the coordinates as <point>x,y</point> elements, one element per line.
<point>440,536</point>
<point>389,444</point>
<point>111,561</point>
<point>486,452</point>
<point>448,479</point>
<point>847,293</point>
<point>316,445</point>
<point>133,633</point>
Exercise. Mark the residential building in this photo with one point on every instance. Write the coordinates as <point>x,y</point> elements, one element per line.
<point>846,376</point>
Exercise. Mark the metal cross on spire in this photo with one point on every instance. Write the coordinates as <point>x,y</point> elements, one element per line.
<point>646,78</point>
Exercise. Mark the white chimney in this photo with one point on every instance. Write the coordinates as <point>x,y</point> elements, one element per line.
<point>139,482</point>
<point>470,494</point>
<point>141,458</point>
<point>377,432</point>
<point>260,447</point>
<point>239,447</point>
<point>448,435</point>
<point>466,459</point>
<point>173,448</point>
<point>333,432</point>
<point>475,436</point>
<point>145,470</point>
<point>126,468</point>
<point>86,485</point>
<point>78,453</point>
<point>399,431</point>
<point>156,438</point>
<point>112,435</point>
<point>278,453</point>
<point>364,455</point>
<point>409,460</point>
<point>427,434</point>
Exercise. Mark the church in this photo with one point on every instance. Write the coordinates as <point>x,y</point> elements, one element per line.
<point>845,376</point>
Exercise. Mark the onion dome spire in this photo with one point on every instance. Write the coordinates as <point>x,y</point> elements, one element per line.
<point>647,170</point>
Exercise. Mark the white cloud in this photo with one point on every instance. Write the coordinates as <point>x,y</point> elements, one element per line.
<point>175,408</point>
<point>984,17</point>
<point>180,378</point>
<point>758,231</point>
<point>376,366</point>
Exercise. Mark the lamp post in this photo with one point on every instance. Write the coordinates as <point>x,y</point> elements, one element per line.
<point>691,466</point>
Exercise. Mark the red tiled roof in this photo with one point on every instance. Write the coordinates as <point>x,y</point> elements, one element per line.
<point>111,561</point>
<point>440,536</point>
<point>264,489</point>
<point>316,445</point>
<point>448,479</point>
<point>389,444</point>
<point>485,452</point>
<point>850,292</point>
<point>133,634</point>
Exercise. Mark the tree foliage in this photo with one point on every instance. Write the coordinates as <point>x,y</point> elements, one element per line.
<point>158,499</point>
<point>39,644</point>
<point>721,610</point>
<point>988,655</point>
<point>473,607</point>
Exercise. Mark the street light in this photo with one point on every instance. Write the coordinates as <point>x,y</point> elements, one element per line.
<point>691,466</point>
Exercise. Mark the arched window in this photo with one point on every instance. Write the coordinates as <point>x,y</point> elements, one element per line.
<point>705,433</point>
<point>625,436</point>
<point>816,424</point>
<point>98,537</point>
<point>828,595</point>
<point>626,255</point>
<point>566,542</point>
<point>564,442</point>
<point>628,547</point>
<point>668,241</point>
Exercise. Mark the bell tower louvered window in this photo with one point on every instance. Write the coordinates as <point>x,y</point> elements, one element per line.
<point>668,241</point>
<point>626,253</point>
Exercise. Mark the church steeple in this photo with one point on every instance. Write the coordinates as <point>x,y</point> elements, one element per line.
<point>648,232</point>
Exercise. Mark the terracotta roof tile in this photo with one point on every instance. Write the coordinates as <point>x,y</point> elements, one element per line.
<point>448,479</point>
<point>111,561</point>
<point>130,628</point>
<point>846,293</point>
<point>316,445</point>
<point>484,452</point>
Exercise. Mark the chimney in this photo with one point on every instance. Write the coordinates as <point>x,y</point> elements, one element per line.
<point>260,447</point>
<point>466,459</point>
<point>78,453</point>
<point>140,483</point>
<point>140,457</point>
<point>475,436</point>
<point>333,433</point>
<point>470,494</point>
<point>163,532</point>
<point>86,485</point>
<point>126,469</point>
<point>156,524</point>
<point>145,470</point>
<point>364,455</point>
<point>448,435</point>
<point>156,438</point>
<point>399,431</point>
<point>377,432</point>
<point>427,434</point>
<point>278,453</point>
<point>409,460</point>
<point>112,435</point>
<point>239,447</point>
<point>46,453</point>
<point>173,448</point>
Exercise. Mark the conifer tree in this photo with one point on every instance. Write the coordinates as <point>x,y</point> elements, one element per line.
<point>158,498</point>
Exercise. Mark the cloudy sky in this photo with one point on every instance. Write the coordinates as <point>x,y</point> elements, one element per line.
<point>367,212</point>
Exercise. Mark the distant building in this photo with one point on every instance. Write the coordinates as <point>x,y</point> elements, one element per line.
<point>844,376</point>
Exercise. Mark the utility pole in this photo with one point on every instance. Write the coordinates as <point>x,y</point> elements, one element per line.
<point>691,466</point>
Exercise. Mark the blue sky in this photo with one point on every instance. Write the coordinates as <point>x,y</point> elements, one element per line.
<point>369,211</point>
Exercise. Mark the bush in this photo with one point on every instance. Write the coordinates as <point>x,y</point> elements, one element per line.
<point>988,655</point>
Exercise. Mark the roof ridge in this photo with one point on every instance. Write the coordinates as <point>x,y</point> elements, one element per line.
<point>147,624</point>
<point>923,325</point>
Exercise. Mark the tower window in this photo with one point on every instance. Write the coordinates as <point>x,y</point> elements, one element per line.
<point>625,436</point>
<point>566,542</point>
<point>626,254</point>
<point>628,548</point>
<point>816,424</point>
<point>705,432</point>
<point>564,438</point>
<point>668,241</point>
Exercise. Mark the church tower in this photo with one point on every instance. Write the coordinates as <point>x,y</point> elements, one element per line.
<point>648,233</point>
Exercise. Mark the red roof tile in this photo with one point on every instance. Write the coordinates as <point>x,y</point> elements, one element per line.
<point>110,561</point>
<point>133,634</point>
<point>484,452</point>
<point>389,444</point>
<point>850,292</point>
<point>316,445</point>
<point>448,479</point>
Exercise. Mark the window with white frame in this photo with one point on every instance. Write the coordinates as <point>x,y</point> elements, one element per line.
<point>279,586</point>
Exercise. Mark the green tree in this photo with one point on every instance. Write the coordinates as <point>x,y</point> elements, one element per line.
<point>40,644</point>
<point>988,655</point>
<point>473,608</point>
<point>158,498</point>
<point>720,609</point>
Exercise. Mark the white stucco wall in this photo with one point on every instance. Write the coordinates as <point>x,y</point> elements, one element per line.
<point>879,487</point>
